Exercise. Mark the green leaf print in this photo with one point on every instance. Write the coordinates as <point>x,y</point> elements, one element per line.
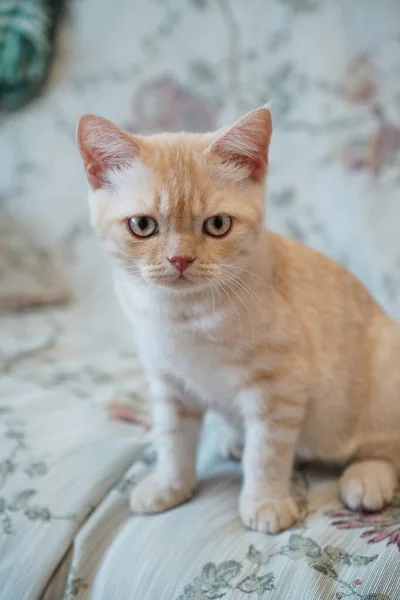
<point>214,580</point>
<point>267,582</point>
<point>20,501</point>
<point>249,585</point>
<point>191,592</point>
<point>360,561</point>
<point>209,572</point>
<point>337,555</point>
<point>300,547</point>
<point>228,570</point>
<point>36,469</point>
<point>254,555</point>
<point>37,513</point>
<point>7,524</point>
<point>325,566</point>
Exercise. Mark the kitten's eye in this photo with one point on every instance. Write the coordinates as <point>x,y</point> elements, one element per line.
<point>143,226</point>
<point>217,226</point>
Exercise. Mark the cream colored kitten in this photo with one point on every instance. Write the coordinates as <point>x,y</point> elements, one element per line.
<point>282,341</point>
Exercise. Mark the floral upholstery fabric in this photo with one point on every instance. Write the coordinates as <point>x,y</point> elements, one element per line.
<point>331,70</point>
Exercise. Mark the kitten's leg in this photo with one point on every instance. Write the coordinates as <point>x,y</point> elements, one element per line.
<point>176,432</point>
<point>368,484</point>
<point>271,434</point>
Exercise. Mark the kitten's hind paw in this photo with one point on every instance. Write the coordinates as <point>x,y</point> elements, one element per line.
<point>368,485</point>
<point>152,495</point>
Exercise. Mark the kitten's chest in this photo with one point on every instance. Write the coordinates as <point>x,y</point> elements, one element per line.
<point>198,346</point>
<point>198,359</point>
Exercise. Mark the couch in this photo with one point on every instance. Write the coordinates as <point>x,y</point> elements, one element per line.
<point>331,70</point>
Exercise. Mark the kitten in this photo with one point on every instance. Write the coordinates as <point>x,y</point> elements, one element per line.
<point>286,344</point>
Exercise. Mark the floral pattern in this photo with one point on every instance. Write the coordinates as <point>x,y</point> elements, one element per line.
<point>55,392</point>
<point>75,585</point>
<point>383,526</point>
<point>20,461</point>
<point>334,184</point>
<point>379,149</point>
<point>163,105</point>
<point>250,577</point>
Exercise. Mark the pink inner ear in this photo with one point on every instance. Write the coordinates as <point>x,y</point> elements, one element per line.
<point>246,143</point>
<point>104,147</point>
<point>94,175</point>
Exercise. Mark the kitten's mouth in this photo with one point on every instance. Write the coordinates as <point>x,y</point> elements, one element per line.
<point>181,280</point>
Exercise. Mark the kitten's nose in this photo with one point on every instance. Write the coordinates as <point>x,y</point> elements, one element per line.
<point>181,262</point>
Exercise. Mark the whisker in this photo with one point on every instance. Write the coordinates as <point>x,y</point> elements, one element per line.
<point>216,289</point>
<point>233,304</point>
<point>128,269</point>
<point>231,282</point>
<point>242,269</point>
<point>132,274</point>
<point>91,294</point>
<point>247,289</point>
<point>213,299</point>
<point>241,301</point>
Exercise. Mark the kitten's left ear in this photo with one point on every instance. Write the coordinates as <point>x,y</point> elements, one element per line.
<point>246,142</point>
<point>104,147</point>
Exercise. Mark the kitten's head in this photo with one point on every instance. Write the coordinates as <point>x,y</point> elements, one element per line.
<point>176,210</point>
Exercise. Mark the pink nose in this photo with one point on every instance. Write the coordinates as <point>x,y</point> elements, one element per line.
<point>181,262</point>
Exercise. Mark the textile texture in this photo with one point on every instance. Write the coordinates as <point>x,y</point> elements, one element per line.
<point>28,274</point>
<point>331,69</point>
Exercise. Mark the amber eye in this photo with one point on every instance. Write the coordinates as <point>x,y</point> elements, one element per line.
<point>143,226</point>
<point>217,226</point>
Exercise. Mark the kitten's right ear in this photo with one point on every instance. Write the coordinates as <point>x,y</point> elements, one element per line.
<point>104,147</point>
<point>245,144</point>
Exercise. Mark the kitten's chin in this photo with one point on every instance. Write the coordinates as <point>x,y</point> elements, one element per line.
<point>179,284</point>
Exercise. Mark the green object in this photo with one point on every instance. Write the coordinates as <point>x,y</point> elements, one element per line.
<point>26,48</point>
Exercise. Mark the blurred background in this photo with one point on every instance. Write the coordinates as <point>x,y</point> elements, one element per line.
<point>330,67</point>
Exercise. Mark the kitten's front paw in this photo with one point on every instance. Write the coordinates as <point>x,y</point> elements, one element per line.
<point>267,516</point>
<point>152,495</point>
<point>368,485</point>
